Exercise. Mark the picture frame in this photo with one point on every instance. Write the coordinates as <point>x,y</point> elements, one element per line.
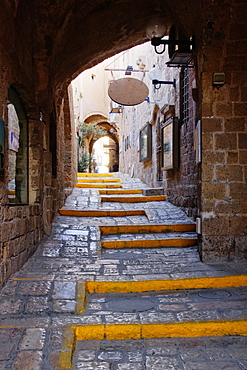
<point>145,142</point>
<point>170,144</point>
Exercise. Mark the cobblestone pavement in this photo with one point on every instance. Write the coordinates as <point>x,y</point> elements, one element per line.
<point>42,304</point>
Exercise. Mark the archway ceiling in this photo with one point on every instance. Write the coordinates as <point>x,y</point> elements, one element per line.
<point>76,35</point>
<point>95,118</point>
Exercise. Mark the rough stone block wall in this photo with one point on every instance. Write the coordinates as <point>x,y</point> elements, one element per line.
<point>20,231</point>
<point>224,138</point>
<point>22,227</point>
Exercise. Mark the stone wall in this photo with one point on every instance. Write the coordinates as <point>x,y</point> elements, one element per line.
<point>182,183</point>
<point>224,135</point>
<point>22,227</point>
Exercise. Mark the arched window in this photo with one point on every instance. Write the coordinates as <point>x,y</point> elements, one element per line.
<point>17,150</point>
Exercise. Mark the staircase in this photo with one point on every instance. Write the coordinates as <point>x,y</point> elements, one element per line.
<point>144,279</point>
<point>118,285</point>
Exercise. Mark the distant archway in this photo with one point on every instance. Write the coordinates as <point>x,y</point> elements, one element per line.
<point>18,150</point>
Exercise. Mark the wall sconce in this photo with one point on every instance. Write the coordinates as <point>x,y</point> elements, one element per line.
<point>156,76</point>
<point>218,79</point>
<point>156,29</point>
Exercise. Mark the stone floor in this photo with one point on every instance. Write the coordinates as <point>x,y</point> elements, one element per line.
<point>42,306</point>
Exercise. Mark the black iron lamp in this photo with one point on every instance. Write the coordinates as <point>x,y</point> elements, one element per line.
<point>156,76</point>
<point>179,47</point>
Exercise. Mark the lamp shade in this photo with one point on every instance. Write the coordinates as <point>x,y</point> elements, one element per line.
<point>156,27</point>
<point>155,74</point>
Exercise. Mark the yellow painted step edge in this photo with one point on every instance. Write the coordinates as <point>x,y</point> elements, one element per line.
<point>98,186</point>
<point>150,243</point>
<point>144,331</point>
<point>96,213</point>
<point>120,191</point>
<point>143,229</point>
<point>155,198</point>
<point>82,174</point>
<point>67,350</point>
<point>156,285</point>
<point>98,180</point>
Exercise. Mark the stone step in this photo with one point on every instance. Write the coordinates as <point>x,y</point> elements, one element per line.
<point>134,199</point>
<point>93,180</point>
<point>120,191</point>
<point>168,242</point>
<point>189,308</point>
<point>99,213</point>
<point>100,185</point>
<point>149,228</point>
<point>82,174</point>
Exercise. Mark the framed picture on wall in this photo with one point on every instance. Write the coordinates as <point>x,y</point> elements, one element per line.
<point>145,140</point>
<point>170,147</point>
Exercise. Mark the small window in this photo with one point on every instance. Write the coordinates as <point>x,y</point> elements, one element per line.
<point>146,143</point>
<point>185,96</point>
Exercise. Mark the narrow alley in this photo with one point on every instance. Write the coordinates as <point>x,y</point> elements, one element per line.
<point>119,285</point>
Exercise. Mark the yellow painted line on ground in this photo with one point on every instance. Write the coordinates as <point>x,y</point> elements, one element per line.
<point>154,198</point>
<point>146,331</point>
<point>149,228</point>
<point>98,186</point>
<point>157,285</point>
<point>96,213</point>
<point>98,180</point>
<point>120,191</point>
<point>81,295</point>
<point>81,174</point>
<point>67,351</point>
<point>150,243</point>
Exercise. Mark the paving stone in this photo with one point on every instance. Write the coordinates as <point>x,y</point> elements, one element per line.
<point>28,360</point>
<point>33,339</point>
<point>39,306</point>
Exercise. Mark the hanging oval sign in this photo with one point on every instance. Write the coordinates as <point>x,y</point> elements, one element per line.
<point>128,91</point>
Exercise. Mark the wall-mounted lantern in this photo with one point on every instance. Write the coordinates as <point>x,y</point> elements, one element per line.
<point>179,47</point>
<point>156,76</point>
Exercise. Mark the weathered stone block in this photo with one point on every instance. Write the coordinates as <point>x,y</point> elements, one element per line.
<point>225,141</point>
<point>235,124</point>
<point>211,125</point>
<point>213,157</point>
<point>213,191</point>
<point>218,225</point>
<point>207,172</point>
<point>238,190</point>
<point>242,141</point>
<point>240,109</point>
<point>207,141</point>
<point>221,173</point>
<point>216,248</point>
<point>229,173</point>
<point>224,109</point>
<point>235,173</point>
<point>241,247</point>
<point>207,109</point>
<point>238,226</point>
<point>234,93</point>
<point>232,157</point>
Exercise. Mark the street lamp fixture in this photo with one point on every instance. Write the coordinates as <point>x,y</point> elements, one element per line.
<point>156,76</point>
<point>156,29</point>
